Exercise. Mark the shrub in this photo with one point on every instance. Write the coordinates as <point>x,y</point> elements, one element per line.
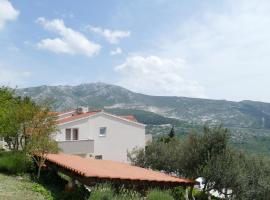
<point>15,162</point>
<point>178,193</point>
<point>55,183</point>
<point>42,190</point>
<point>102,192</point>
<point>79,192</point>
<point>159,195</point>
<point>199,195</point>
<point>127,194</point>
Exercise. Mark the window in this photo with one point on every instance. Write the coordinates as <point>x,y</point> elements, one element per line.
<point>75,134</point>
<point>68,134</point>
<point>102,131</point>
<point>98,157</point>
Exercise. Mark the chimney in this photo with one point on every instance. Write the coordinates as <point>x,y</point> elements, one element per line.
<point>82,109</point>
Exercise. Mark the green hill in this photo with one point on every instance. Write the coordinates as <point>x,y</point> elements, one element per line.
<point>249,121</point>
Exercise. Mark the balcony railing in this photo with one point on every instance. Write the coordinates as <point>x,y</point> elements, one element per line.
<point>77,146</point>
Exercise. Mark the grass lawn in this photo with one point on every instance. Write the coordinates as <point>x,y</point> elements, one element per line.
<point>19,188</point>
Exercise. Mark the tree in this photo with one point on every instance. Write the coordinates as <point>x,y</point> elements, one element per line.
<point>27,126</point>
<point>15,115</point>
<point>161,154</point>
<point>9,127</point>
<point>254,179</point>
<point>40,133</point>
<point>39,147</point>
<point>172,132</point>
<point>191,157</point>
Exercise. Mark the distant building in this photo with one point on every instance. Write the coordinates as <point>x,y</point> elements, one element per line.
<point>99,134</point>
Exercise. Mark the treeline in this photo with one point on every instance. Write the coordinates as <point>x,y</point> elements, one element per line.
<point>208,154</point>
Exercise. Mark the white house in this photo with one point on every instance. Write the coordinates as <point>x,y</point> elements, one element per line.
<point>99,134</point>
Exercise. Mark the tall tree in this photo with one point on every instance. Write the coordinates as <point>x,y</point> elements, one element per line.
<point>40,137</point>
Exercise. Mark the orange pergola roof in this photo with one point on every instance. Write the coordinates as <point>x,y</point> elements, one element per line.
<point>106,169</point>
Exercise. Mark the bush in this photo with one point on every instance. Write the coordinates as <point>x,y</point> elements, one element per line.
<point>127,194</point>
<point>159,195</point>
<point>199,195</point>
<point>106,192</point>
<point>42,190</point>
<point>102,192</point>
<point>15,162</point>
<point>55,183</point>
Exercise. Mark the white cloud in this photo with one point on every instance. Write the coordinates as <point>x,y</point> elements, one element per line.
<point>112,36</point>
<point>227,48</point>
<point>157,76</point>
<point>7,13</point>
<point>69,42</point>
<point>116,51</point>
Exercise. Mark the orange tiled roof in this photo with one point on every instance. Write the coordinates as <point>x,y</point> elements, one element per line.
<point>77,116</point>
<point>92,168</point>
<point>65,112</point>
<point>87,114</point>
<point>130,118</point>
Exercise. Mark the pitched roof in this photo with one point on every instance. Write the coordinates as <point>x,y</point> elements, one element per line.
<point>130,118</point>
<point>106,169</point>
<point>77,116</point>
<point>88,114</point>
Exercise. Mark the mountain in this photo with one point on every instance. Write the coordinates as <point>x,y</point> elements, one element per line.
<point>249,121</point>
<point>244,114</point>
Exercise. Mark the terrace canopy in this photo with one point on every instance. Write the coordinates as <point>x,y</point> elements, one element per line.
<point>90,171</point>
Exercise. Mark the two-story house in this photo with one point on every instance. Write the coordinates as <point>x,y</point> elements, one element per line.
<point>99,134</point>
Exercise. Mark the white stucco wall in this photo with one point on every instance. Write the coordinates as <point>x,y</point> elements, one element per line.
<point>121,135</point>
<point>82,125</point>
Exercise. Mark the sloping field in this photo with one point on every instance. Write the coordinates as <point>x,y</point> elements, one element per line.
<point>17,188</point>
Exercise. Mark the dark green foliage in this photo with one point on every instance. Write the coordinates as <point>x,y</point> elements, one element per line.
<point>199,148</point>
<point>107,192</point>
<point>172,132</point>
<point>55,185</point>
<point>42,190</point>
<point>255,179</point>
<point>161,154</point>
<point>209,155</point>
<point>159,195</point>
<point>104,192</point>
<point>15,115</point>
<point>15,163</point>
<point>178,193</point>
<point>198,195</point>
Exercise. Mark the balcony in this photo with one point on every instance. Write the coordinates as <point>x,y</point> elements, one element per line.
<point>77,146</point>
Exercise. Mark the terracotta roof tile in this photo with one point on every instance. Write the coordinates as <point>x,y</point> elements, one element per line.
<point>77,116</point>
<point>89,167</point>
<point>83,115</point>
<point>130,118</point>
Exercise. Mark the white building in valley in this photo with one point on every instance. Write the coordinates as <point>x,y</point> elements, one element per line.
<point>99,134</point>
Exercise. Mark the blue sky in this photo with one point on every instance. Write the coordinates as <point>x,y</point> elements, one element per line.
<point>209,49</point>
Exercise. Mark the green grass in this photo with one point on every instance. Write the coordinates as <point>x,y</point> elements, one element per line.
<point>18,188</point>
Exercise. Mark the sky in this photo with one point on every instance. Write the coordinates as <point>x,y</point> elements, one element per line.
<point>205,49</point>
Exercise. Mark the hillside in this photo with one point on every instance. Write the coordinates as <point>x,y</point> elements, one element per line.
<point>248,120</point>
<point>248,114</point>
